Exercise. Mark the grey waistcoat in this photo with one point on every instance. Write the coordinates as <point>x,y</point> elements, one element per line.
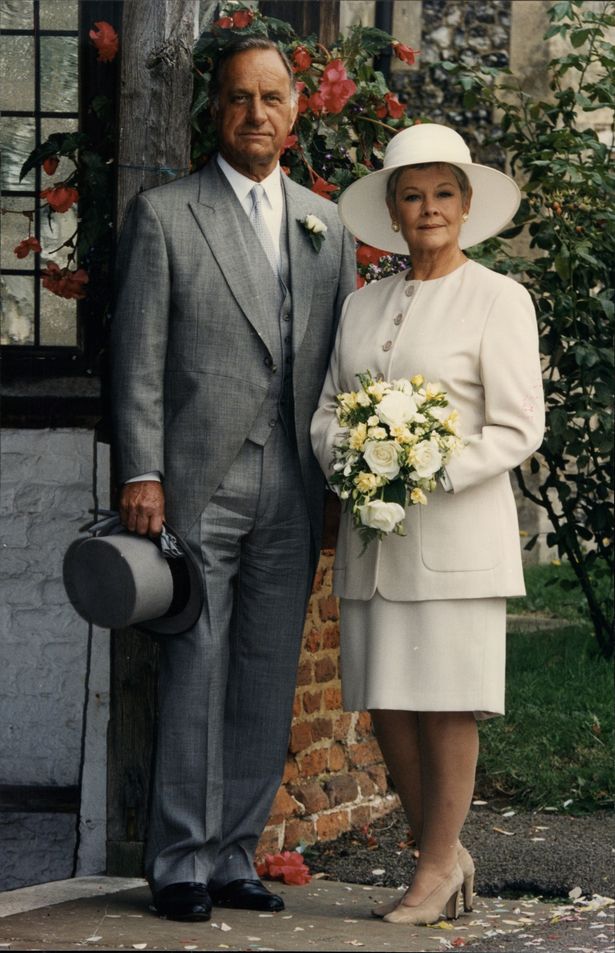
<point>278,405</point>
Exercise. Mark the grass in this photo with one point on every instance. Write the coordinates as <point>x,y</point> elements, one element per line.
<point>554,747</point>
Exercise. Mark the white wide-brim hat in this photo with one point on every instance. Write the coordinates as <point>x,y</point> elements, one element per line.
<point>495,196</point>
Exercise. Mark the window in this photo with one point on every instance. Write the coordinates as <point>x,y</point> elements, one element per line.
<point>48,85</point>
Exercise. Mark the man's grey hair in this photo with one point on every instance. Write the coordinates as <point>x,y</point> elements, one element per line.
<point>462,180</point>
<point>242,45</point>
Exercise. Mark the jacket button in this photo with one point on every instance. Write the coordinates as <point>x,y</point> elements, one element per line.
<point>286,317</point>
<point>272,423</point>
<point>398,319</point>
<point>387,345</point>
<point>409,291</point>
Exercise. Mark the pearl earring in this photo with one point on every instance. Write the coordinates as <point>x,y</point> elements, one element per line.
<point>395,226</point>
<point>464,217</point>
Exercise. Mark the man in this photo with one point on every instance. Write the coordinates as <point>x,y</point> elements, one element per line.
<point>224,323</point>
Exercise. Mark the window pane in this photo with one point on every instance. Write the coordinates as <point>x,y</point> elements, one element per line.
<point>59,73</point>
<point>56,229</point>
<point>17,71</point>
<point>65,167</point>
<point>16,143</point>
<point>16,15</point>
<point>14,230</point>
<point>56,15</point>
<point>58,320</point>
<point>17,314</point>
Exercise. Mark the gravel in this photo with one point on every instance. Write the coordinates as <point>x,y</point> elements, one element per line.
<point>516,853</point>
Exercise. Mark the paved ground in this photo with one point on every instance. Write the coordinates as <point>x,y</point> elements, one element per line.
<point>544,882</point>
<point>114,914</point>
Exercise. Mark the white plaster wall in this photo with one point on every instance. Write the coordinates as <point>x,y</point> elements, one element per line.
<point>46,487</point>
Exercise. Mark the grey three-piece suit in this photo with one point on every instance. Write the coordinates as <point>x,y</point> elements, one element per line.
<point>217,369</point>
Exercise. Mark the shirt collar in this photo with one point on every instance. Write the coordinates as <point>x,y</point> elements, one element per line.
<point>242,185</point>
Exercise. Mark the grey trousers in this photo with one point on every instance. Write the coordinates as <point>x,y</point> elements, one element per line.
<point>227,685</point>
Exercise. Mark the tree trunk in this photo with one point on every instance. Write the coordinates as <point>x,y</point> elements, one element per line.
<point>153,148</point>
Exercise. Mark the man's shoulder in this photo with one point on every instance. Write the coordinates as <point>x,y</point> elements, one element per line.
<point>169,193</point>
<point>315,204</point>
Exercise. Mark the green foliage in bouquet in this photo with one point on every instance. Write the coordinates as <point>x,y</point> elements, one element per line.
<point>567,218</point>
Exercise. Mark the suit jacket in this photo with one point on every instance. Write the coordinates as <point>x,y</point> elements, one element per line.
<point>475,332</point>
<point>191,359</point>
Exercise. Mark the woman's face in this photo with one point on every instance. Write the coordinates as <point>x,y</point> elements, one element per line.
<point>429,208</point>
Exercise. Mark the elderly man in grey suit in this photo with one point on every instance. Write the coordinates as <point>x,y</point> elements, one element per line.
<point>223,326</point>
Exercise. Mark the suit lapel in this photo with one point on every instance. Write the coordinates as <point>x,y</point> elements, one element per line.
<point>228,233</point>
<point>302,257</point>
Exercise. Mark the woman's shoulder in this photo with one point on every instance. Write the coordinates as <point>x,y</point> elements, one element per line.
<point>496,282</point>
<point>374,291</point>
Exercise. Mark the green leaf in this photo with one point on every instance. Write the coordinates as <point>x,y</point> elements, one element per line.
<point>395,492</point>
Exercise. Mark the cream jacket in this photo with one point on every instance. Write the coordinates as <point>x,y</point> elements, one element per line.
<point>473,331</point>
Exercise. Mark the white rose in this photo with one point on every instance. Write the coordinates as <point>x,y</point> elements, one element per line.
<point>403,385</point>
<point>382,516</point>
<point>425,458</point>
<point>313,224</point>
<point>396,408</point>
<point>382,457</point>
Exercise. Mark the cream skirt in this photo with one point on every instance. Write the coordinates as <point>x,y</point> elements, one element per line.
<point>447,655</point>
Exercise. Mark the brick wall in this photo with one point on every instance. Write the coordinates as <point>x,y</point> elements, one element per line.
<point>334,779</point>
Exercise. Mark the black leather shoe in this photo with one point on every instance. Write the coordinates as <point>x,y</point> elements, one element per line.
<point>183,901</point>
<point>247,895</point>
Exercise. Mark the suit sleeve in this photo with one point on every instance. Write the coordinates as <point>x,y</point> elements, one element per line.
<point>139,331</point>
<point>514,405</point>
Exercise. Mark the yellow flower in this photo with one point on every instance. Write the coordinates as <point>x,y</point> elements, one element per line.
<point>366,482</point>
<point>450,422</point>
<point>417,380</point>
<point>377,433</point>
<point>417,496</point>
<point>433,390</point>
<point>378,389</point>
<point>357,437</point>
<point>402,434</point>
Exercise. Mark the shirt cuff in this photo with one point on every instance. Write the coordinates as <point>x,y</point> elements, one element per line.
<point>154,475</point>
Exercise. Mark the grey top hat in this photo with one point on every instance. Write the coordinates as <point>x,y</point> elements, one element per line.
<point>116,579</point>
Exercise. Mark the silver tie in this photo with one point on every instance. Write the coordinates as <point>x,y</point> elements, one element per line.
<point>260,226</point>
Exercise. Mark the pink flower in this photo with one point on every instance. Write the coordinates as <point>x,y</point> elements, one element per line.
<point>106,41</point>
<point>26,246</point>
<point>335,87</point>
<point>405,53</point>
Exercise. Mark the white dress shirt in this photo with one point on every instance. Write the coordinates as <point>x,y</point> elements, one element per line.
<point>273,213</point>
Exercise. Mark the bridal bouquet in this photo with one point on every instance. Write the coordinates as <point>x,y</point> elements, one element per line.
<point>398,437</point>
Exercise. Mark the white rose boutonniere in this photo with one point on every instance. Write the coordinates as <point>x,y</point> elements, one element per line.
<point>316,230</point>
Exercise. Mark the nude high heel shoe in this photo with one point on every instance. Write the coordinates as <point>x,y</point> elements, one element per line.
<point>442,901</point>
<point>467,869</point>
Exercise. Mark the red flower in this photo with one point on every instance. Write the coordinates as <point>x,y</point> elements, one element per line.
<point>303,104</point>
<point>289,143</point>
<point>242,18</point>
<point>368,255</point>
<point>396,109</point>
<point>381,111</point>
<point>26,246</point>
<point>302,59</point>
<point>405,53</point>
<point>60,197</point>
<point>64,282</point>
<point>50,164</point>
<point>106,41</point>
<point>323,188</point>
<point>224,23</point>
<point>289,867</point>
<point>335,87</point>
<point>316,102</point>
<point>360,281</point>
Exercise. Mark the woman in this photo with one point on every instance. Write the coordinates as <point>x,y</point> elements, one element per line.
<point>423,616</point>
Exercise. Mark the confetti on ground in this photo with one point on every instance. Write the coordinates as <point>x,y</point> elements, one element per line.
<point>139,946</point>
<point>378,872</point>
<point>500,830</point>
<point>93,939</point>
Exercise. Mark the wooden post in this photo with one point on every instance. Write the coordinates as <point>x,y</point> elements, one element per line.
<point>321,17</point>
<point>153,148</point>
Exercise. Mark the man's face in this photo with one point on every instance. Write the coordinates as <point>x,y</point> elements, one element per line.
<point>255,112</point>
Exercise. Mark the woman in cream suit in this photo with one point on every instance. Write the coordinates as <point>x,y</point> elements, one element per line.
<point>423,616</point>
